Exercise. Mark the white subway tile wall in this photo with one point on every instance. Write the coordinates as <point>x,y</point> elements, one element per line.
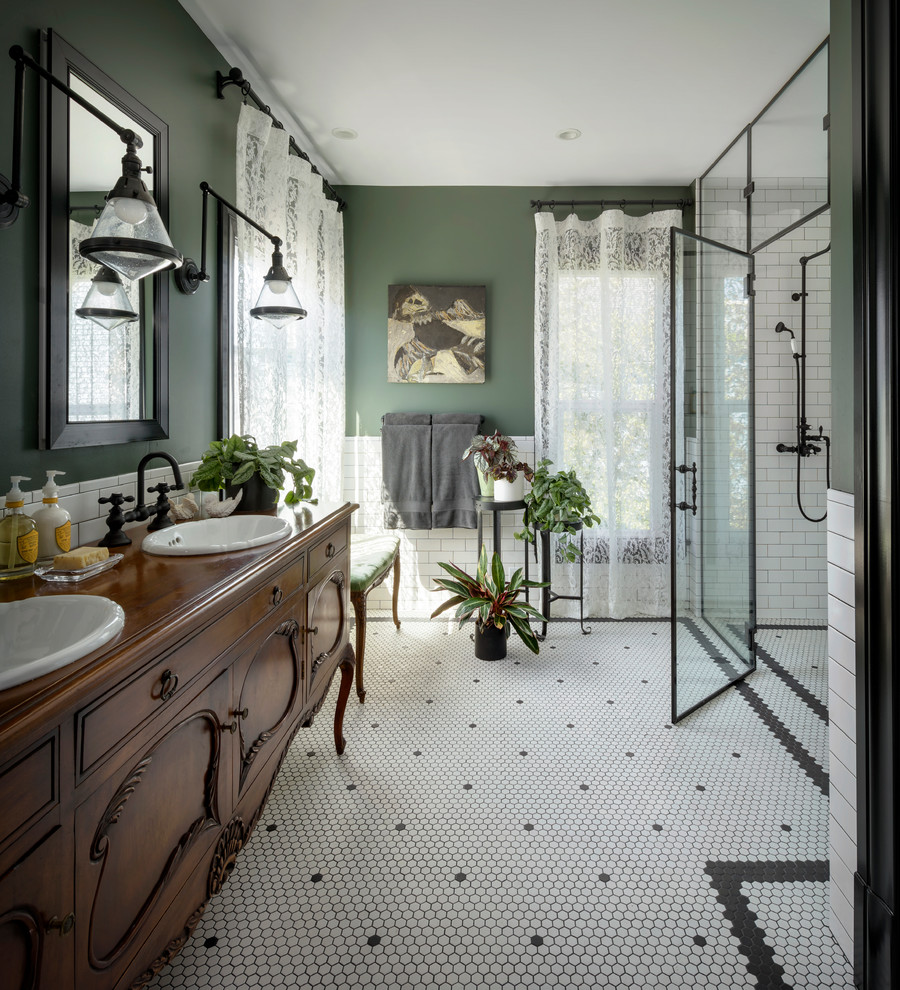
<point>792,579</point>
<point>842,714</point>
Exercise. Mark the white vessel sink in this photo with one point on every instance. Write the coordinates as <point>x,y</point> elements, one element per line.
<point>216,535</point>
<point>38,635</point>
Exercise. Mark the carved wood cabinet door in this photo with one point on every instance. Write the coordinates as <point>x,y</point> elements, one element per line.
<point>327,608</point>
<point>138,837</point>
<point>36,919</point>
<point>270,684</point>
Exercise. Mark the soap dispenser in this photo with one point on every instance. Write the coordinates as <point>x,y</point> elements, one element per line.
<point>18,536</point>
<point>54,525</point>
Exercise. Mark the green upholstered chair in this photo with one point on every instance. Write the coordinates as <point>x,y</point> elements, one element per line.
<point>371,558</point>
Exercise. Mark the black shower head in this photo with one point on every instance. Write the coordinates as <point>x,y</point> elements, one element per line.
<point>780,327</point>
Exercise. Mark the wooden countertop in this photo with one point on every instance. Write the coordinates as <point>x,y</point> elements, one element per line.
<point>160,597</point>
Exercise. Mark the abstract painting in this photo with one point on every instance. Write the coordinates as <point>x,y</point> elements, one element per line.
<point>436,334</point>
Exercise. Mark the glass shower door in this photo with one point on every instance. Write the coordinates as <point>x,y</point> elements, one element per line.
<point>712,494</point>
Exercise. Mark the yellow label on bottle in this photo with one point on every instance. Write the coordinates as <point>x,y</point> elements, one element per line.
<point>27,546</point>
<point>64,536</point>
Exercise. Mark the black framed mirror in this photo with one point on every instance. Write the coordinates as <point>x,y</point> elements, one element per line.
<point>98,386</point>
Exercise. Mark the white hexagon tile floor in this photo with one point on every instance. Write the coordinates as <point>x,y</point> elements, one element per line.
<point>538,822</point>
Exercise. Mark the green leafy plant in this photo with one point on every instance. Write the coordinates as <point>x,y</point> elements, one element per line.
<point>237,459</point>
<point>489,598</point>
<point>497,457</point>
<point>556,502</point>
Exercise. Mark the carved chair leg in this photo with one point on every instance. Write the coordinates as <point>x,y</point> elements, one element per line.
<point>346,666</point>
<point>359,608</point>
<point>396,588</point>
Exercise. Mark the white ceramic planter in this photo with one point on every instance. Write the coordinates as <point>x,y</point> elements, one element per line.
<point>509,491</point>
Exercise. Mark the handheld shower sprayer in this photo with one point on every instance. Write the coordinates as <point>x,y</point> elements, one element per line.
<point>781,328</point>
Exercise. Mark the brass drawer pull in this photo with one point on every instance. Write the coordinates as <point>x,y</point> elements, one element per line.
<point>64,926</point>
<point>232,727</point>
<point>169,685</point>
<point>243,713</point>
<point>329,551</point>
<point>277,595</point>
<point>314,631</point>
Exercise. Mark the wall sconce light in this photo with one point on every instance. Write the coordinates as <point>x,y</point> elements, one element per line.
<point>106,302</point>
<point>129,236</point>
<point>278,303</point>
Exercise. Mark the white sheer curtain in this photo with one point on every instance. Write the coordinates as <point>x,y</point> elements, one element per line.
<point>602,372</point>
<point>289,384</point>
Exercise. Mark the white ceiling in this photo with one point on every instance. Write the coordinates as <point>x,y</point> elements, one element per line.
<point>473,92</point>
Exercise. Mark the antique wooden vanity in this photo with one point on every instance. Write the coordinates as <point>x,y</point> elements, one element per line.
<point>130,780</point>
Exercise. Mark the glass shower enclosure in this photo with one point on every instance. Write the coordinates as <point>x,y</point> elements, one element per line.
<point>712,492</point>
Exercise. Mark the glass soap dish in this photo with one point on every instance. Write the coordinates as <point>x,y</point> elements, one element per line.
<point>49,573</point>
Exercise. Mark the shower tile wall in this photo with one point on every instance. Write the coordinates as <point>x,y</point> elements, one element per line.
<point>791,564</point>
<point>792,576</point>
<point>420,549</point>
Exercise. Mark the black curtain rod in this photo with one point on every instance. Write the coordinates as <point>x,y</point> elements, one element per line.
<point>236,78</point>
<point>604,203</point>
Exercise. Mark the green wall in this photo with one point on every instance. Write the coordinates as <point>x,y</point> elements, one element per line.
<point>168,64</point>
<point>842,321</point>
<point>451,235</point>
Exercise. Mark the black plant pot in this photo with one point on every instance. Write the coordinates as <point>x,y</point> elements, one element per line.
<point>490,642</point>
<point>258,497</point>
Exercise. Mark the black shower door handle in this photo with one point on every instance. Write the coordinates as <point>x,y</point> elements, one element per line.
<point>692,505</point>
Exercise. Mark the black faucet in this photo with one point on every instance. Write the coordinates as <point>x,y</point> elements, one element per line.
<point>117,518</point>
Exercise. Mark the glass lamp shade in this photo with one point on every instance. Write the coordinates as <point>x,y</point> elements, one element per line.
<point>130,238</point>
<point>106,303</point>
<point>278,303</point>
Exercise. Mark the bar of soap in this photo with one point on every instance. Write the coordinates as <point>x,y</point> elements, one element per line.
<point>76,560</point>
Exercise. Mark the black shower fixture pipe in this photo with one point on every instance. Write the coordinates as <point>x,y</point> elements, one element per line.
<point>536,204</point>
<point>801,296</point>
<point>236,78</point>
<point>805,445</point>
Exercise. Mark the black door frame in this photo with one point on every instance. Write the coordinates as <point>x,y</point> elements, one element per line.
<point>676,235</point>
<point>876,222</point>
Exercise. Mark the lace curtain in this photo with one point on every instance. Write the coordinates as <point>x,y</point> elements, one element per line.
<point>289,384</point>
<point>104,365</point>
<point>602,397</point>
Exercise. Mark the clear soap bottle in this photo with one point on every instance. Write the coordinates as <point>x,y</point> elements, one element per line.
<point>54,525</point>
<point>18,536</point>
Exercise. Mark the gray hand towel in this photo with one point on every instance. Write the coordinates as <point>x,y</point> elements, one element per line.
<point>406,419</point>
<point>454,482</point>
<point>406,470</point>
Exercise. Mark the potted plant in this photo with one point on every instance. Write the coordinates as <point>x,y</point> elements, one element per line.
<point>557,503</point>
<point>497,460</point>
<point>493,602</point>
<point>239,464</point>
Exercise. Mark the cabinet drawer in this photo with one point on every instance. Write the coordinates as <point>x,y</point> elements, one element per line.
<point>28,787</point>
<point>118,714</point>
<point>327,550</point>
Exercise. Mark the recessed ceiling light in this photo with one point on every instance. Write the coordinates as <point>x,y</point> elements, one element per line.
<point>569,134</point>
<point>345,133</point>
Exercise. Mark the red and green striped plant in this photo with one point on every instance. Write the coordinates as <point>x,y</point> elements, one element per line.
<point>489,598</point>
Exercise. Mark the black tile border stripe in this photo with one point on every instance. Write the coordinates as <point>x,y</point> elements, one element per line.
<point>781,732</point>
<point>727,878</point>
<point>802,692</point>
<point>710,647</point>
<point>771,721</point>
<point>781,625</point>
